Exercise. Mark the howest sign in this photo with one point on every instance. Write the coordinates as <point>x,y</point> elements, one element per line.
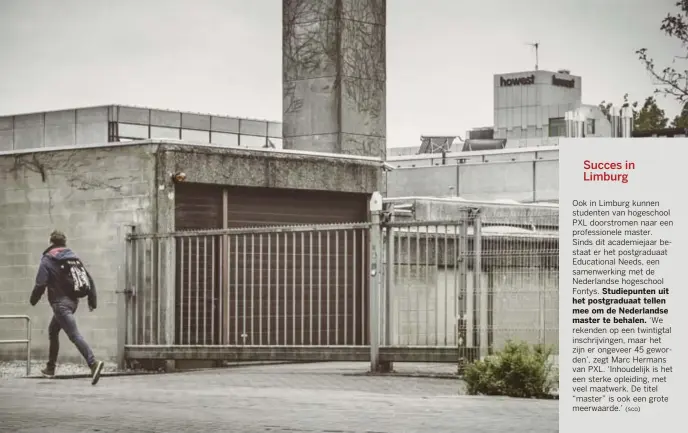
<point>560,82</point>
<point>518,81</point>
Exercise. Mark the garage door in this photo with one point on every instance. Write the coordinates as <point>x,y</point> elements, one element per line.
<point>303,288</point>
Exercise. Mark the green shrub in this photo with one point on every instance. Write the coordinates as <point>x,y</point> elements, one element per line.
<point>518,370</point>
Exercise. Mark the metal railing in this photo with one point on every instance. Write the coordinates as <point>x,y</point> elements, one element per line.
<point>26,341</point>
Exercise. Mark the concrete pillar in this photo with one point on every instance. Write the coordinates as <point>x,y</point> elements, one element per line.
<point>165,251</point>
<point>334,75</point>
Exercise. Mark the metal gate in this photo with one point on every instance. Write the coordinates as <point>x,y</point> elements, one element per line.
<point>269,293</point>
<point>385,291</point>
<point>458,290</point>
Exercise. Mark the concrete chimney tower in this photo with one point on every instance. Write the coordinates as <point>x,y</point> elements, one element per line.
<point>334,76</point>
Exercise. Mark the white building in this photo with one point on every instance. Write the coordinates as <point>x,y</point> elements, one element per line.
<point>531,109</point>
<point>517,157</point>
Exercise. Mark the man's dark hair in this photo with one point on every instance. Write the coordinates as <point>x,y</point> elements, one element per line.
<point>58,239</point>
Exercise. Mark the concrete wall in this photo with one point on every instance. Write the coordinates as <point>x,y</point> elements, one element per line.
<point>255,168</point>
<point>90,194</point>
<point>86,126</point>
<point>527,181</point>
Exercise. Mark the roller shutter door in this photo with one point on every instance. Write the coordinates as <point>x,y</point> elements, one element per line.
<point>286,289</point>
<point>271,289</point>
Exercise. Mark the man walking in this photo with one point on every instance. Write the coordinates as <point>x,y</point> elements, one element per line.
<point>66,279</point>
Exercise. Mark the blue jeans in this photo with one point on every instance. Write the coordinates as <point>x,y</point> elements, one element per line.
<point>63,319</point>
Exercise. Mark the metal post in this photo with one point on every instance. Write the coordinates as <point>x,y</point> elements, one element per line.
<point>389,287</point>
<point>375,269</point>
<point>542,305</point>
<point>478,286</point>
<point>461,254</point>
<point>390,319</point>
<point>124,276</point>
<point>168,266</point>
<point>28,346</point>
<point>27,341</point>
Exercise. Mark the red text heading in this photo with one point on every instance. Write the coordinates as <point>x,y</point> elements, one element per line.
<point>606,171</point>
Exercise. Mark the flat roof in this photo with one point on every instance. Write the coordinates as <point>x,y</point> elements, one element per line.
<point>137,107</point>
<point>195,145</point>
<point>468,154</point>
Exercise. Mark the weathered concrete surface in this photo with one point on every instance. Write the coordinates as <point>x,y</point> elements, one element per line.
<point>90,194</point>
<point>334,75</point>
<point>94,193</point>
<point>239,167</point>
<point>305,398</point>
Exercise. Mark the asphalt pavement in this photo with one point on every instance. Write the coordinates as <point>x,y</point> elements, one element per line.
<point>281,398</point>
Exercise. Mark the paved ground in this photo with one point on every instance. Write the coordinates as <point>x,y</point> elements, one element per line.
<point>284,398</point>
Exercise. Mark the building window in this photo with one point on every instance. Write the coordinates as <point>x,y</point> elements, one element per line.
<point>590,127</point>
<point>557,127</point>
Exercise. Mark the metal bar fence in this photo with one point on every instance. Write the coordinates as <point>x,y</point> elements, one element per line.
<point>424,285</point>
<point>278,286</point>
<point>469,284</point>
<point>518,294</point>
<point>26,341</point>
<point>473,283</point>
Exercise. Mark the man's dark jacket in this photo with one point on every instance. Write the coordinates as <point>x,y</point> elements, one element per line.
<point>47,277</point>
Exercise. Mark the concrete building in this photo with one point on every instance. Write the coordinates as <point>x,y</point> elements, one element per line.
<point>70,169</point>
<point>119,123</point>
<point>95,193</point>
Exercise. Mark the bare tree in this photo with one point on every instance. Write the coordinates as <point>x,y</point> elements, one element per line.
<point>671,80</point>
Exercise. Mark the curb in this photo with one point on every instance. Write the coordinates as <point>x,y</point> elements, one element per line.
<point>86,375</point>
<point>148,373</point>
<point>409,375</point>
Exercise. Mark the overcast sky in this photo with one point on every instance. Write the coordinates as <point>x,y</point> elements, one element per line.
<point>224,56</point>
